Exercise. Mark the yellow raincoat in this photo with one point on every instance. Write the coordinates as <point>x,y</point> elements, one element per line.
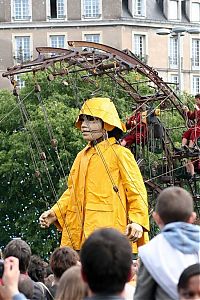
<point>105,189</point>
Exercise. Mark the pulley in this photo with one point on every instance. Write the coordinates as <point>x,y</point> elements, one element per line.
<point>54,143</point>
<point>37,88</point>
<point>37,174</point>
<point>42,156</point>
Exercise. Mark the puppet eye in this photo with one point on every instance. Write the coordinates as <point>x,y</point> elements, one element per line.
<point>81,118</point>
<point>86,117</point>
<point>90,118</point>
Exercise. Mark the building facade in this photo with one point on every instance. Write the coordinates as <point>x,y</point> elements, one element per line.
<point>123,24</point>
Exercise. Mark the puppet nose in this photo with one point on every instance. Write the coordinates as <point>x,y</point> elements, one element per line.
<point>84,124</point>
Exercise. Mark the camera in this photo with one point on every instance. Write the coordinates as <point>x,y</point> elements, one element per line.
<point>1,268</point>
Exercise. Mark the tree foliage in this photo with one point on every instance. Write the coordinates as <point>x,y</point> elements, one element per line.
<point>23,195</point>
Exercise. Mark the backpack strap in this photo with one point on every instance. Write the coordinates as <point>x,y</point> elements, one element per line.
<point>45,289</point>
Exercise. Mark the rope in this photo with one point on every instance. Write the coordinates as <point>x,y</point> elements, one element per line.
<point>25,115</point>
<point>17,106</point>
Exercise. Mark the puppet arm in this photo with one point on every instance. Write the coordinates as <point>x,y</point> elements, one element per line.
<point>60,209</point>
<point>137,206</point>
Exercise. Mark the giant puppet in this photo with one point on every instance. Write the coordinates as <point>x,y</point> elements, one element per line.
<point>105,186</point>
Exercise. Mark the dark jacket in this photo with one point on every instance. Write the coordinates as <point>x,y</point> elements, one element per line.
<point>104,297</point>
<point>147,288</point>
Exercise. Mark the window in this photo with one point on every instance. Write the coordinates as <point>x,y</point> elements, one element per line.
<point>196,84</point>
<point>195,12</point>
<point>140,46</point>
<point>20,81</point>
<point>57,41</point>
<point>21,10</point>
<point>139,8</point>
<point>174,78</point>
<point>22,49</point>
<point>173,10</point>
<point>195,53</point>
<point>174,81</point>
<point>91,37</point>
<point>91,8</point>
<point>95,38</point>
<point>57,9</point>
<point>173,58</point>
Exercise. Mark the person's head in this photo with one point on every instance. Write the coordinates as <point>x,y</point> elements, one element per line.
<point>189,283</point>
<point>62,259</point>
<point>106,259</point>
<point>21,250</point>
<point>197,99</point>
<point>97,117</point>
<point>71,285</point>
<point>174,204</point>
<point>37,269</point>
<point>143,107</point>
<point>135,267</point>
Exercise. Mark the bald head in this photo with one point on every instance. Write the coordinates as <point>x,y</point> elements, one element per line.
<point>174,204</point>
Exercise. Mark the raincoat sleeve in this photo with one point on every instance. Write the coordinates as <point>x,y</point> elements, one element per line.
<point>60,209</point>
<point>137,205</point>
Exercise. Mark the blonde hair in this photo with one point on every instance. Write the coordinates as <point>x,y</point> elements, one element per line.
<point>71,285</point>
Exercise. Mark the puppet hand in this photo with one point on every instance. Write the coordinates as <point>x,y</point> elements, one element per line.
<point>47,218</point>
<point>185,108</point>
<point>134,231</point>
<point>133,122</point>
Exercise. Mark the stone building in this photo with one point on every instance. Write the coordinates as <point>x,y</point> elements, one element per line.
<point>132,24</point>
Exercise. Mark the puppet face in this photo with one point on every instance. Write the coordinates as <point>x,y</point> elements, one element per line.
<point>91,127</point>
<point>192,290</point>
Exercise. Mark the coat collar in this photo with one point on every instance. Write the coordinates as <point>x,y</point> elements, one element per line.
<point>103,143</point>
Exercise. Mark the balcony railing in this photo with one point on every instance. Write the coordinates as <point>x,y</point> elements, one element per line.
<point>21,18</point>
<point>195,63</point>
<point>60,17</point>
<point>95,16</point>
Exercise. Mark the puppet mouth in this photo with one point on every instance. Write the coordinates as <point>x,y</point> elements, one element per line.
<point>90,131</point>
<point>86,131</point>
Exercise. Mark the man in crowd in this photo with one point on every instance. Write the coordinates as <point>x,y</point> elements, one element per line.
<point>106,260</point>
<point>189,283</point>
<point>21,250</point>
<point>164,258</point>
<point>9,287</point>
<point>61,260</point>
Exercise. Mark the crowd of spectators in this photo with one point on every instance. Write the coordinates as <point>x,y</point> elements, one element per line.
<point>169,265</point>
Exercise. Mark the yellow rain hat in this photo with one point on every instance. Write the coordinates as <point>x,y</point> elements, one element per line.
<point>104,109</point>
